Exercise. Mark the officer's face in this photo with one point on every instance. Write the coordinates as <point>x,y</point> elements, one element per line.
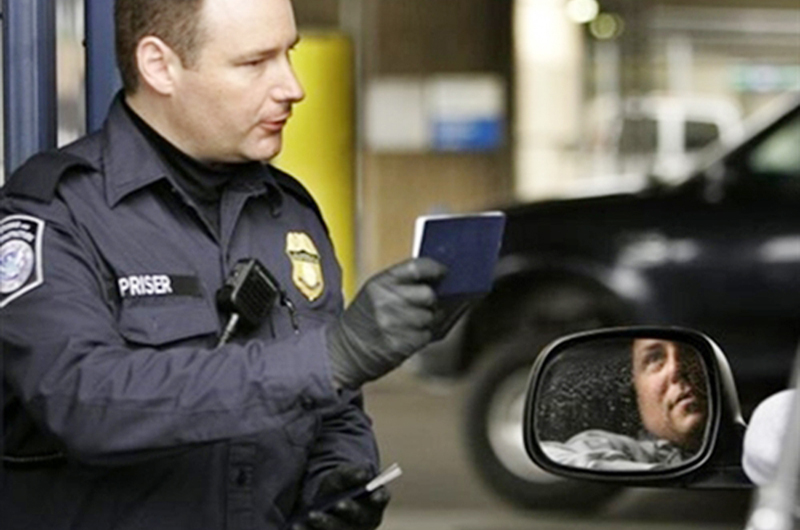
<point>670,390</point>
<point>233,103</point>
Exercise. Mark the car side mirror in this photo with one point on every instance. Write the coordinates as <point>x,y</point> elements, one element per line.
<point>643,406</point>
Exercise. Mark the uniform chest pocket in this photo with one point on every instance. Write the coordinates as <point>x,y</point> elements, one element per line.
<point>162,321</point>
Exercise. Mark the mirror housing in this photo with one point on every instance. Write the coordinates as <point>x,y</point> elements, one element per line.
<point>717,464</point>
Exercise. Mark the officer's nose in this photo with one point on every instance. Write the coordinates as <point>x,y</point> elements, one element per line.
<point>289,90</point>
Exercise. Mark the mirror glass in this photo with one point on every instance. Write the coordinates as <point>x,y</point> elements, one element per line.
<point>623,404</point>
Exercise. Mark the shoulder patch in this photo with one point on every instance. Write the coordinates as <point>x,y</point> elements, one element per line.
<point>38,177</point>
<point>20,256</point>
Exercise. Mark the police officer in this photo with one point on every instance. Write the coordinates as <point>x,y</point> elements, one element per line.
<point>121,412</point>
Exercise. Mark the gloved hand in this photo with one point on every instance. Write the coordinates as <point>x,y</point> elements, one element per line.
<point>391,318</point>
<point>362,513</point>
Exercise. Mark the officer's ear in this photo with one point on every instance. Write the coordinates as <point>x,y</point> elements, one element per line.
<point>157,64</point>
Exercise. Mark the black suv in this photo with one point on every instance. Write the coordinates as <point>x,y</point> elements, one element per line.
<point>719,252</point>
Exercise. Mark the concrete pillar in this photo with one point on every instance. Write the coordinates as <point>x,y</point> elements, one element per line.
<point>548,60</point>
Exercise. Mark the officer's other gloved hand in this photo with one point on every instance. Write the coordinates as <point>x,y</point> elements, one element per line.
<point>391,318</point>
<point>362,513</point>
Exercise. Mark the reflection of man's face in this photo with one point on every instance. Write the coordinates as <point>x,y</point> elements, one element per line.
<point>670,391</point>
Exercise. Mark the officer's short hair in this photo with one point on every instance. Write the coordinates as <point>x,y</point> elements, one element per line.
<point>176,22</point>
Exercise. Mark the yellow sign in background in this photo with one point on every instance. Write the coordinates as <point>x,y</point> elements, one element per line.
<point>319,141</point>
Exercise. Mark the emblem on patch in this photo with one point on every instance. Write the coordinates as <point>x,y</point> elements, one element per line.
<point>306,265</point>
<point>20,256</point>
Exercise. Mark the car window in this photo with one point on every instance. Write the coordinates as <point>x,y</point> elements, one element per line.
<point>638,136</point>
<point>779,155</point>
<point>699,134</point>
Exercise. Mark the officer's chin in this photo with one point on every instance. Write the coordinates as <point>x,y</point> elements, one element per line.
<point>264,149</point>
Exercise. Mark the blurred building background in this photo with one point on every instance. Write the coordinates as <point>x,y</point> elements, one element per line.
<point>562,96</point>
<point>456,105</point>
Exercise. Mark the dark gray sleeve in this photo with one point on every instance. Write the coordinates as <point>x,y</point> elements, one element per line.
<point>346,437</point>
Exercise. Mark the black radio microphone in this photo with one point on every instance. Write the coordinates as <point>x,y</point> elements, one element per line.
<point>249,294</point>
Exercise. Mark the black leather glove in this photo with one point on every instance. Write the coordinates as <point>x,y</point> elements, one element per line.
<point>362,513</point>
<point>391,318</point>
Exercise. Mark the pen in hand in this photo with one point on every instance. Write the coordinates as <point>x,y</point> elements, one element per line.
<point>385,477</point>
<point>328,504</point>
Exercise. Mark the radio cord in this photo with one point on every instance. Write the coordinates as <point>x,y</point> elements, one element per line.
<point>230,327</point>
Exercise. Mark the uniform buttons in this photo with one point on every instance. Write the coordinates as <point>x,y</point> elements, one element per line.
<point>242,477</point>
<point>307,403</point>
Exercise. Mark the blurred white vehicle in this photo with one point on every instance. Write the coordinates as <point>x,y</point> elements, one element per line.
<point>659,135</point>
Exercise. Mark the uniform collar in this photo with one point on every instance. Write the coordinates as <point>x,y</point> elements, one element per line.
<point>130,162</point>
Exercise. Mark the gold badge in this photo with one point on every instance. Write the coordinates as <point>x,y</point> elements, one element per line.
<point>306,265</point>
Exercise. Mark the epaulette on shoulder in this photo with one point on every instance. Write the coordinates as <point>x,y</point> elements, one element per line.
<point>291,185</point>
<point>38,177</point>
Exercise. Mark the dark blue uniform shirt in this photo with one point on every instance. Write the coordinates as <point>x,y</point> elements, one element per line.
<point>109,326</point>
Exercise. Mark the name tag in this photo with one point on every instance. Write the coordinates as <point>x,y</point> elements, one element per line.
<point>155,285</point>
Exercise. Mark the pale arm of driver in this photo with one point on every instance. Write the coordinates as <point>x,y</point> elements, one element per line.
<point>391,318</point>
<point>764,436</point>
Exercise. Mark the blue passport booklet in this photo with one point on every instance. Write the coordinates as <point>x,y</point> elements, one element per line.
<point>468,244</point>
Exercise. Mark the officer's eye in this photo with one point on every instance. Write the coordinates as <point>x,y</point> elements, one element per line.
<point>254,62</point>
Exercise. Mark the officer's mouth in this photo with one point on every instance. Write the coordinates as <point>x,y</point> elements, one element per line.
<point>275,125</point>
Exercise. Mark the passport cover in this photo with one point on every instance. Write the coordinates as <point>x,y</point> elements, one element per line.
<point>468,244</point>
